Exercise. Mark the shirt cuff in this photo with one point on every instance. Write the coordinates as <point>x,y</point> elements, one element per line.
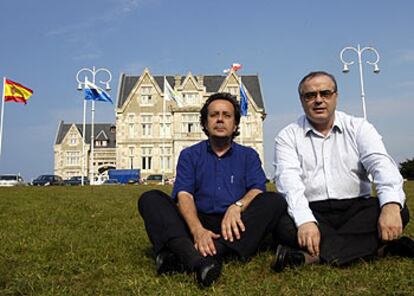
<point>303,216</point>
<point>392,198</point>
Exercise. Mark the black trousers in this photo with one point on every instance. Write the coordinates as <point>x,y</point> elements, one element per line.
<point>163,221</point>
<point>349,229</point>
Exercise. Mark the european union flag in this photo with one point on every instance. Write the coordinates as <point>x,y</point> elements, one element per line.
<point>95,93</point>
<point>243,101</point>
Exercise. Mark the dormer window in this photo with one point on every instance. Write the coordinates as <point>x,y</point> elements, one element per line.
<point>234,90</point>
<point>191,98</point>
<point>73,139</point>
<point>146,95</point>
<point>101,143</point>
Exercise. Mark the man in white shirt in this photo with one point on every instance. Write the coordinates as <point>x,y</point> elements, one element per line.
<point>322,166</point>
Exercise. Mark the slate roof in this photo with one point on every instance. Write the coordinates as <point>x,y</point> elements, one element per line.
<point>98,128</point>
<point>211,82</point>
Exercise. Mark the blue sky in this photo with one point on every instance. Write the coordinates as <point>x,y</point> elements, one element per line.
<point>45,43</point>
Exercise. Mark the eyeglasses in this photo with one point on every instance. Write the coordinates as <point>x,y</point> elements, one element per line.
<point>312,95</point>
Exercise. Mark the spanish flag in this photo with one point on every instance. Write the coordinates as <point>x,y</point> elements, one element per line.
<point>15,92</point>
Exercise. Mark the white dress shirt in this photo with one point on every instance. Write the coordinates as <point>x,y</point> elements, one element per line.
<point>312,167</point>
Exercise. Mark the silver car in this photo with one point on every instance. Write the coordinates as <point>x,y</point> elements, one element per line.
<point>11,180</point>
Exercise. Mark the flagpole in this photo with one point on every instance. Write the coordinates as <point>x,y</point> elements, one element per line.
<point>83,143</point>
<point>91,172</point>
<point>241,117</point>
<point>2,113</point>
<point>164,136</point>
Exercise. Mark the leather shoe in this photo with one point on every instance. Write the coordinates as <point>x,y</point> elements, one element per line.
<point>404,247</point>
<point>166,262</point>
<point>208,271</point>
<point>286,256</point>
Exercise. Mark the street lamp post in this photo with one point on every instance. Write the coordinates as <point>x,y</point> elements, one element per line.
<point>346,64</point>
<point>81,85</point>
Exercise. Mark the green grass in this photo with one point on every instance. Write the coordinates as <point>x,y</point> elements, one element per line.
<point>91,241</point>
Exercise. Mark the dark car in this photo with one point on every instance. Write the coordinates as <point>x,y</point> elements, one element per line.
<point>46,180</point>
<point>154,180</point>
<point>76,180</point>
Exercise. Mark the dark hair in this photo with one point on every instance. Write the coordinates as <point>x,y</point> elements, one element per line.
<point>221,96</point>
<point>315,74</point>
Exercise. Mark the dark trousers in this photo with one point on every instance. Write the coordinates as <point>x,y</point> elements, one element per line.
<point>163,221</point>
<point>348,229</point>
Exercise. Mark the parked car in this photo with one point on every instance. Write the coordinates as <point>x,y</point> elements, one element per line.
<point>11,180</point>
<point>153,180</point>
<point>46,180</point>
<point>76,180</point>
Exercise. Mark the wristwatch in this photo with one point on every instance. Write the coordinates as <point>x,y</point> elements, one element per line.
<point>239,204</point>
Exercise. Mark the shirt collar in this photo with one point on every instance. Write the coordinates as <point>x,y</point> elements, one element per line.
<point>337,125</point>
<point>228,152</point>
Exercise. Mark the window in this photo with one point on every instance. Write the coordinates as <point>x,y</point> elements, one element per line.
<point>166,156</point>
<point>234,90</point>
<point>146,124</point>
<point>131,157</point>
<point>131,125</point>
<point>72,157</point>
<point>165,125</point>
<point>192,98</point>
<point>146,95</point>
<point>99,143</point>
<point>146,158</point>
<point>73,139</point>
<point>190,123</point>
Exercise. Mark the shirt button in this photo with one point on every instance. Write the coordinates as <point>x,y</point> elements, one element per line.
<point>219,188</point>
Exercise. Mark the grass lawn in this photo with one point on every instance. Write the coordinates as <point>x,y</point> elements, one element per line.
<point>91,241</point>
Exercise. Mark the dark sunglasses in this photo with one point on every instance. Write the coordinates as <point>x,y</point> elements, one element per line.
<point>312,95</point>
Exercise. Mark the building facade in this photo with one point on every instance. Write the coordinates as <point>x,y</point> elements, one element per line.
<point>151,132</point>
<point>68,149</point>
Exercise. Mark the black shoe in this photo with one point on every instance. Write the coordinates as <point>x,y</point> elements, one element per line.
<point>208,271</point>
<point>166,262</point>
<point>286,256</point>
<point>404,247</point>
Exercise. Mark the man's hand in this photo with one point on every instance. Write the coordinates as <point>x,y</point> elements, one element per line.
<point>232,225</point>
<point>204,241</point>
<point>389,222</point>
<point>309,237</point>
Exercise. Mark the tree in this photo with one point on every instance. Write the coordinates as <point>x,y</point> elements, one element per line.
<point>407,169</point>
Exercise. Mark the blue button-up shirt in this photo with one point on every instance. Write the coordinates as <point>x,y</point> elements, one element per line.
<point>217,182</point>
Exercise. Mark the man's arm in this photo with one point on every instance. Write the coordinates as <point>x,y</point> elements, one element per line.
<point>203,238</point>
<point>289,182</point>
<point>387,179</point>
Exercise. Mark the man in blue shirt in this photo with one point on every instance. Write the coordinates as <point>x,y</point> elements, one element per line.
<point>219,205</point>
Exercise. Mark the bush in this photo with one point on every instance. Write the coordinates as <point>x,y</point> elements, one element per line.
<point>407,169</point>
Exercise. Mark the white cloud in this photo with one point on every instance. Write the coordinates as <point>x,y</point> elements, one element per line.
<point>88,56</point>
<point>406,56</point>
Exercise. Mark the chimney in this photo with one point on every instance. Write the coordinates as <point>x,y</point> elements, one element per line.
<point>200,79</point>
<point>177,81</point>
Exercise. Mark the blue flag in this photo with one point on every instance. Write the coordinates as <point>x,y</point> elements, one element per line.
<point>95,93</point>
<point>243,101</point>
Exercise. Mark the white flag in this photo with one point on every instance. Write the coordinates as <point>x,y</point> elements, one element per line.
<point>170,94</point>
